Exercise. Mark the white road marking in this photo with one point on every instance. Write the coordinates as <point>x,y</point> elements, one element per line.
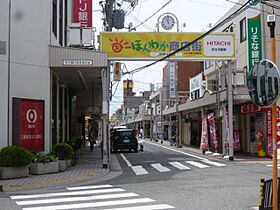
<point>85,192</point>
<point>95,204</point>
<point>178,151</point>
<point>199,165</point>
<point>159,167</point>
<point>89,187</point>
<point>139,170</point>
<point>148,207</point>
<point>72,199</point>
<point>126,160</point>
<point>179,165</point>
<point>213,163</point>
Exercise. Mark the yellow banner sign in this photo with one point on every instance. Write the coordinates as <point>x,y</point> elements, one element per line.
<point>152,46</point>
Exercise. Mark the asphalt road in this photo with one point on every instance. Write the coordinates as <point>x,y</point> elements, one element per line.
<point>160,178</point>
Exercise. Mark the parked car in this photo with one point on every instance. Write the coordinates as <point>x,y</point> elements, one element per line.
<point>123,139</point>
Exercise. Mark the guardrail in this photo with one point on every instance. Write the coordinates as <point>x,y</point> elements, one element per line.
<point>266,194</point>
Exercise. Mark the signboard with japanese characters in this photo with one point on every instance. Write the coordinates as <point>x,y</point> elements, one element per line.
<point>152,46</point>
<point>172,80</point>
<point>196,87</point>
<point>28,124</point>
<point>83,12</point>
<point>254,31</point>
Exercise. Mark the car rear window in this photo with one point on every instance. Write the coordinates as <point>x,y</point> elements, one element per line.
<point>126,134</point>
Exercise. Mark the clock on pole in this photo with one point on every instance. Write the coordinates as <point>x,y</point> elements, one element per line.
<point>167,22</point>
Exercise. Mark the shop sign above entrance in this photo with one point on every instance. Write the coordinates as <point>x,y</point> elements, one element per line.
<point>153,46</point>
<point>263,83</point>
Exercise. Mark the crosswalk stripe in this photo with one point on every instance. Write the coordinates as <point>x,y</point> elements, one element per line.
<point>199,165</point>
<point>147,207</point>
<point>139,170</point>
<point>95,204</point>
<point>179,165</point>
<point>72,199</point>
<point>160,167</point>
<point>213,163</point>
<point>89,187</point>
<point>85,192</point>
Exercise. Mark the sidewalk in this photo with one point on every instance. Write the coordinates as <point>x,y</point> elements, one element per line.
<point>88,165</point>
<point>215,156</point>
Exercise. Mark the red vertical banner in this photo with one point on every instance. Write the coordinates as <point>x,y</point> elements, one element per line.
<point>204,135</point>
<point>236,139</point>
<point>213,130</point>
<point>269,132</point>
<point>278,127</point>
<point>32,125</point>
<point>83,12</point>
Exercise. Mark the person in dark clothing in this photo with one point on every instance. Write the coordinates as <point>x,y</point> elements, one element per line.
<point>93,133</point>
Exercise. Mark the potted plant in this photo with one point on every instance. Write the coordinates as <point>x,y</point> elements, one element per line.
<point>44,164</point>
<point>14,162</point>
<point>64,152</point>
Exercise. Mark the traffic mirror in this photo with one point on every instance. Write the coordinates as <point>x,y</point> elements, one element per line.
<point>263,83</point>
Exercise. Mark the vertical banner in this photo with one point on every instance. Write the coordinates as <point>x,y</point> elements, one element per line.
<point>254,31</point>
<point>117,71</point>
<point>83,12</point>
<point>32,125</point>
<point>204,135</point>
<point>172,80</point>
<point>236,139</point>
<point>269,132</point>
<point>213,130</point>
<point>278,127</point>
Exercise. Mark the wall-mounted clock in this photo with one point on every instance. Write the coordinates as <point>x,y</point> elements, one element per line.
<point>167,22</point>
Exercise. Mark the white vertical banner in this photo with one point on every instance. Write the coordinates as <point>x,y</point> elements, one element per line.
<point>172,80</point>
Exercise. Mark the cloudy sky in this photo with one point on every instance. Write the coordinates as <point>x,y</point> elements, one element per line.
<point>195,15</point>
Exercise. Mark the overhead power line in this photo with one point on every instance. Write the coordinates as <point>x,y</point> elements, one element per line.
<point>152,15</point>
<point>223,22</point>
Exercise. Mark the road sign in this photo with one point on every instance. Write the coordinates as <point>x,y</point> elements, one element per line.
<point>263,83</point>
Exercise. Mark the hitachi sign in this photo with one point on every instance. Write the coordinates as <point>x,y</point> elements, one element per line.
<point>218,43</point>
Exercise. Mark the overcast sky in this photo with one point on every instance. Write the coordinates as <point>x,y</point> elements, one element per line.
<point>195,14</point>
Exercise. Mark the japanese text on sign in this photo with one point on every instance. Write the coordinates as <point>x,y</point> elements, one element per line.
<point>83,12</point>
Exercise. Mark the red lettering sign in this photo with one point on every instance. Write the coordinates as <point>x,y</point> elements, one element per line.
<point>32,125</point>
<point>83,12</point>
<point>269,132</point>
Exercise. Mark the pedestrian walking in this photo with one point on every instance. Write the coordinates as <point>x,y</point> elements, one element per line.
<point>93,133</point>
<point>141,133</point>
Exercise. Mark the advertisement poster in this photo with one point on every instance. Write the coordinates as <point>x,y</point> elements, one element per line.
<point>32,125</point>
<point>204,135</point>
<point>236,140</point>
<point>151,46</point>
<point>269,132</point>
<point>213,130</point>
<point>83,12</point>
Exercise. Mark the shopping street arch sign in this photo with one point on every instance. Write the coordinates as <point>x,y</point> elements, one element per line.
<point>153,46</point>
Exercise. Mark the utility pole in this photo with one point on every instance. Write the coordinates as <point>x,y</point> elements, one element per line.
<point>230,112</point>
<point>271,24</point>
<point>105,74</point>
<point>178,141</point>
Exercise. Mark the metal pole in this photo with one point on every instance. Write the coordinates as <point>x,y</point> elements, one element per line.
<point>230,112</point>
<point>9,72</point>
<point>178,141</point>
<point>63,113</point>
<point>104,115</point>
<point>161,121</point>
<point>274,129</point>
